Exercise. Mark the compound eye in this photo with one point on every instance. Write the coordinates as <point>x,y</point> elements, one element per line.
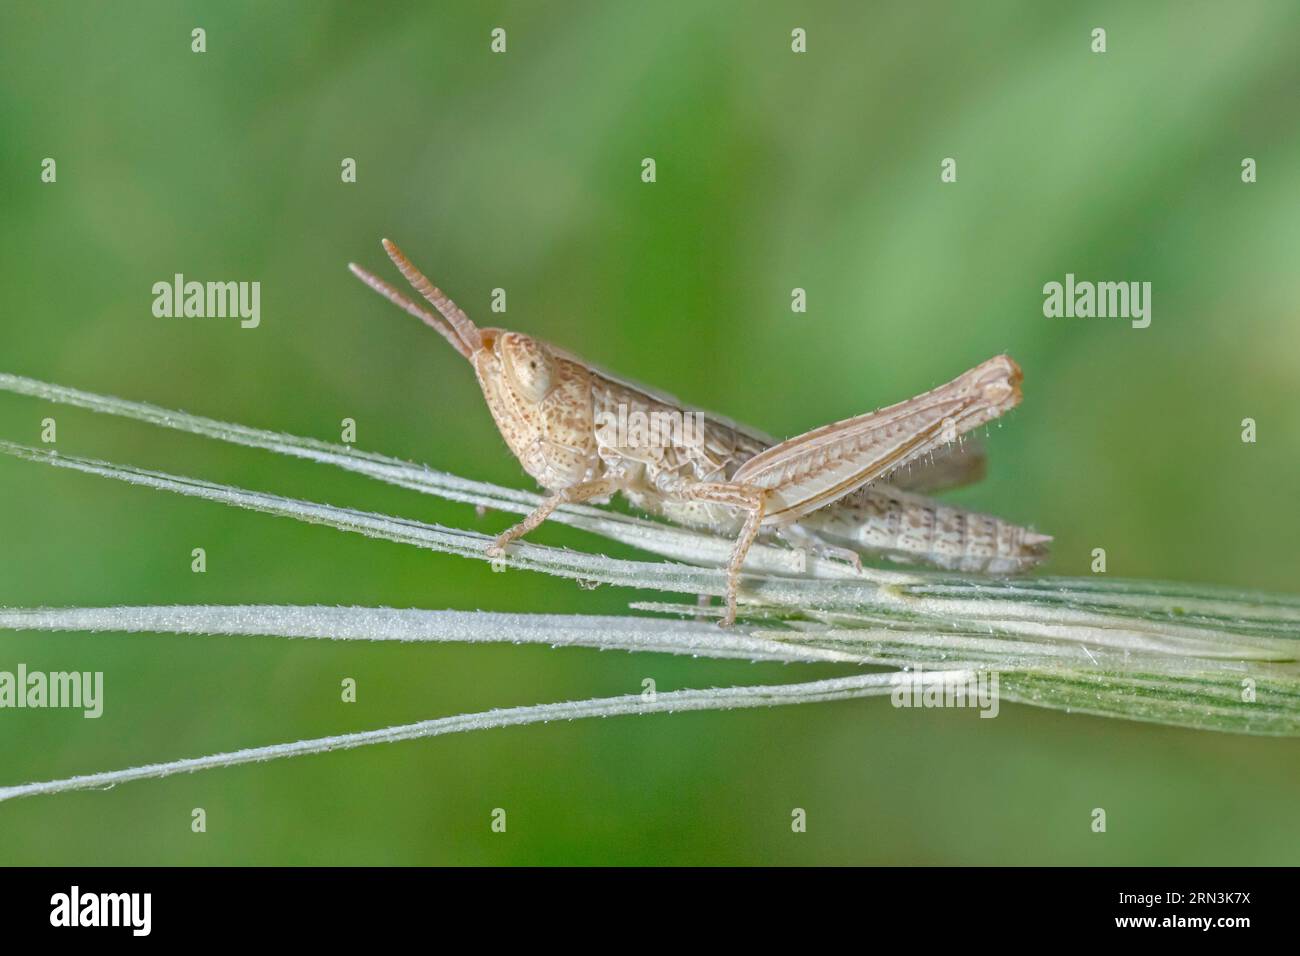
<point>529,366</point>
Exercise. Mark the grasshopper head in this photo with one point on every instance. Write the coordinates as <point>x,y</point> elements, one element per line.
<point>541,403</point>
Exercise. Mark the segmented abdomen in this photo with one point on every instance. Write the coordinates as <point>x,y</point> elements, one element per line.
<point>908,528</point>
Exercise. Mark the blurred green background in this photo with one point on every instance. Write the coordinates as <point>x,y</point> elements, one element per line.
<point>522,171</point>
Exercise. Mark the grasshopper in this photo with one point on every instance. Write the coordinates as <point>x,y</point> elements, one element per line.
<point>824,490</point>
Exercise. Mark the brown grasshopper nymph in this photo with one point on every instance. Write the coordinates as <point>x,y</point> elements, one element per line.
<point>843,490</point>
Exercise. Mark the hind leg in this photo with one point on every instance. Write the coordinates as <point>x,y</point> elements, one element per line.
<point>797,537</point>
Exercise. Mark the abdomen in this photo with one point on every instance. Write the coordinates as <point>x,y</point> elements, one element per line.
<point>881,520</point>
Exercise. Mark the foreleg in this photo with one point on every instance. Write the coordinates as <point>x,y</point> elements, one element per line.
<point>574,494</point>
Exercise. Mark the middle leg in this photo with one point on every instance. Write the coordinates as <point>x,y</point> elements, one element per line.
<point>744,498</point>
